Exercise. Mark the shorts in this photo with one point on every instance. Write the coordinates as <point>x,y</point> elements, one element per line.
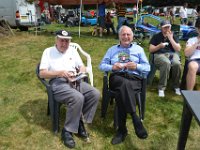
<point>101,21</point>
<point>198,62</point>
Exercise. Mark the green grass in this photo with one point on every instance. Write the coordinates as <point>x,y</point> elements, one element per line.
<point>24,124</point>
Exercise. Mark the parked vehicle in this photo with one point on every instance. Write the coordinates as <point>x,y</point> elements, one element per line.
<point>18,13</point>
<point>70,19</point>
<point>148,25</point>
<point>88,21</point>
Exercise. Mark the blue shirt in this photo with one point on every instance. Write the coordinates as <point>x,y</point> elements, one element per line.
<point>133,53</point>
<point>102,8</point>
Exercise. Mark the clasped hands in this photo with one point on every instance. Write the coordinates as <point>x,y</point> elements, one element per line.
<point>124,66</point>
<point>68,74</point>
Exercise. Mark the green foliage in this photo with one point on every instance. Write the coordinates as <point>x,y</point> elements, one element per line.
<point>23,100</point>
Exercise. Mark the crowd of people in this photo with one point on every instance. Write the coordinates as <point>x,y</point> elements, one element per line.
<point>127,63</point>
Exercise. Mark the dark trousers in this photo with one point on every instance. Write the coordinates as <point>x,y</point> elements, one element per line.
<point>125,87</point>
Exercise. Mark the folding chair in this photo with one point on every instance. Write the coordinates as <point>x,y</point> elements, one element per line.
<point>53,108</point>
<point>152,73</point>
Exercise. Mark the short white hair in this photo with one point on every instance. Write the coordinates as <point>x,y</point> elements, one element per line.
<point>122,28</point>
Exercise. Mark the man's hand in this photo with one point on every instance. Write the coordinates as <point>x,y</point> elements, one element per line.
<point>118,66</point>
<point>169,35</point>
<point>66,74</point>
<point>161,45</point>
<point>131,65</point>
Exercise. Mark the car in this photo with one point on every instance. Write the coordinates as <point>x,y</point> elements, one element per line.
<point>187,32</point>
<point>149,24</point>
<point>129,11</point>
<point>88,21</point>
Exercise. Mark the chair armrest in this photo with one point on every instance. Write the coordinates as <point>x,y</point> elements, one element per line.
<point>89,61</point>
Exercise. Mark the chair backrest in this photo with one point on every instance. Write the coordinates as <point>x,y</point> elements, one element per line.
<point>89,61</point>
<point>176,29</point>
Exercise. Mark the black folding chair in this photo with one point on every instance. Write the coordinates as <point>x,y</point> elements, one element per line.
<point>53,108</point>
<point>109,95</point>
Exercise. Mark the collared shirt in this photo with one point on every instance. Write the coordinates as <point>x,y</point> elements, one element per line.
<point>53,60</point>
<point>133,53</point>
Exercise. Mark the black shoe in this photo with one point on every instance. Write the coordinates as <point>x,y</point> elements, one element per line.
<point>119,138</point>
<point>67,139</point>
<point>81,130</point>
<point>140,130</point>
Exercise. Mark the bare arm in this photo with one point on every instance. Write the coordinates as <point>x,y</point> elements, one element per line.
<point>153,48</point>
<point>44,73</point>
<point>82,69</point>
<point>176,46</point>
<point>189,50</point>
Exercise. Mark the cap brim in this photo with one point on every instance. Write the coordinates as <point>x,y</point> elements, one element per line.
<point>64,37</point>
<point>166,25</point>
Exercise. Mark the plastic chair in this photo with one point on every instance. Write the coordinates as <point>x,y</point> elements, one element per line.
<point>53,108</point>
<point>89,61</point>
<point>108,96</point>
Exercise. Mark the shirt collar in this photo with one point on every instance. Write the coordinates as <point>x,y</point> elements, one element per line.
<point>126,47</point>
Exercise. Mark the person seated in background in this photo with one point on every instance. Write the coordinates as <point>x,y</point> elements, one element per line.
<point>60,64</point>
<point>126,62</point>
<point>192,51</point>
<point>109,24</point>
<point>165,48</point>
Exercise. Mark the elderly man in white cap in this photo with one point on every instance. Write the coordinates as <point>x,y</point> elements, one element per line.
<point>59,63</point>
<point>165,48</point>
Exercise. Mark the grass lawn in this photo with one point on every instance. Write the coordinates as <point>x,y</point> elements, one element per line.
<point>24,124</point>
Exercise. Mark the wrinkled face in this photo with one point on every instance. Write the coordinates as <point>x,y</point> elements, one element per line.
<point>62,44</point>
<point>126,37</point>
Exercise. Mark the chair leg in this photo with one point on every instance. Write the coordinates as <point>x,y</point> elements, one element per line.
<point>48,109</point>
<point>105,102</point>
<point>56,117</point>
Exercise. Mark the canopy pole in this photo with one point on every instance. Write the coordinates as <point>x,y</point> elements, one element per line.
<point>136,18</point>
<point>80,16</point>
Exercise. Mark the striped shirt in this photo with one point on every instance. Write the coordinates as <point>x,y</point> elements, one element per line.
<point>121,11</point>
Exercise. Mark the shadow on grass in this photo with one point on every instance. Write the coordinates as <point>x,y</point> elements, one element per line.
<point>35,112</point>
<point>105,128</point>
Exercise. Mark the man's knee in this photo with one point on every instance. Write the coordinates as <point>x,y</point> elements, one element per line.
<point>78,99</point>
<point>165,65</point>
<point>96,94</point>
